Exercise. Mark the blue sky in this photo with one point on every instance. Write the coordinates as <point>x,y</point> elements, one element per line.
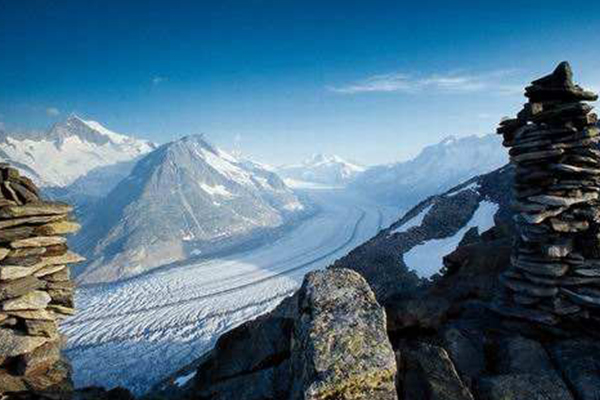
<point>372,81</point>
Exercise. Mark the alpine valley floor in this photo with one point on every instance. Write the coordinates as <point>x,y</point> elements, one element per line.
<point>135,332</point>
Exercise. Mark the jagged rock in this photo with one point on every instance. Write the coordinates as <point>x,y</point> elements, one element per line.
<point>270,383</point>
<point>579,362</point>
<point>35,209</point>
<point>563,201</point>
<point>428,369</point>
<point>519,355</point>
<point>32,314</point>
<point>13,344</point>
<point>27,252</point>
<point>49,270</point>
<point>19,287</point>
<point>67,258</point>
<point>529,314</point>
<point>97,393</point>
<point>10,234</point>
<point>39,359</point>
<point>530,289</point>
<point>57,228</point>
<point>38,327</point>
<point>40,241</point>
<point>536,218</point>
<point>62,311</point>
<point>532,386</point>
<point>548,268</point>
<point>10,272</point>
<point>56,250</point>
<point>63,275</point>
<point>583,298</point>
<point>266,343</point>
<point>3,253</point>
<point>466,348</point>
<point>34,300</point>
<point>416,313</point>
<point>340,347</point>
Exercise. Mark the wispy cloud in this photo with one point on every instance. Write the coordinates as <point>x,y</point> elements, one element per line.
<point>451,82</point>
<point>157,80</point>
<point>52,111</point>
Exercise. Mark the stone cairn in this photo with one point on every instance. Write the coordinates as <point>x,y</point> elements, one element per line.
<point>554,278</point>
<point>35,290</point>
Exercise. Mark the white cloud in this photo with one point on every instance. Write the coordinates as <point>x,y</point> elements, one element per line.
<point>451,82</point>
<point>52,111</point>
<point>157,80</point>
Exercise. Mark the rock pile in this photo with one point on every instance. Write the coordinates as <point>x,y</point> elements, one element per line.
<point>35,290</point>
<point>555,274</point>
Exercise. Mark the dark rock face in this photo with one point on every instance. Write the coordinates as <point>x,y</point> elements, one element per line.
<point>31,366</point>
<point>428,371</point>
<point>381,259</point>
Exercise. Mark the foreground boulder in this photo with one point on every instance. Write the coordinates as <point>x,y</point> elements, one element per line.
<point>328,341</point>
<point>340,346</point>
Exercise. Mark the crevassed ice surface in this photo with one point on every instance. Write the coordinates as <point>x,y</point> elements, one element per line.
<point>426,259</point>
<point>135,332</point>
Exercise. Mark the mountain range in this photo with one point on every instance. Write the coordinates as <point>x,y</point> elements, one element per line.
<point>185,199</point>
<point>435,169</point>
<point>145,206</point>
<point>70,150</point>
<point>322,169</point>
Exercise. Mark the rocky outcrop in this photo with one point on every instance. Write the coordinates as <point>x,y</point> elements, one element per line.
<point>555,273</point>
<point>381,260</point>
<point>326,342</point>
<point>340,348</point>
<point>35,290</point>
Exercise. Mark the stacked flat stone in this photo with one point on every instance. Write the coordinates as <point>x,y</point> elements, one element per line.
<point>35,290</point>
<point>554,277</point>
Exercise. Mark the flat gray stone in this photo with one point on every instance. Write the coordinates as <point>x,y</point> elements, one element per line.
<point>34,209</point>
<point>13,344</point>
<point>35,300</point>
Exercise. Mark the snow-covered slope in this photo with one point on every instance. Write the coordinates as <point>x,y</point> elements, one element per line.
<point>436,169</point>
<point>70,150</point>
<point>417,243</point>
<point>186,198</point>
<point>323,169</point>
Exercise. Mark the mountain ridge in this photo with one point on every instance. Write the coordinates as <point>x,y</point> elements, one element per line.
<point>184,199</point>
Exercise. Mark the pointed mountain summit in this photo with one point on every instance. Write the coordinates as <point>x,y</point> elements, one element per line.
<point>323,169</point>
<point>185,199</point>
<point>75,146</point>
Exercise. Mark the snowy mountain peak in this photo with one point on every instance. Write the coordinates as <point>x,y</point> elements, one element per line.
<point>321,158</point>
<point>87,131</point>
<point>75,146</point>
<point>322,169</point>
<point>187,197</point>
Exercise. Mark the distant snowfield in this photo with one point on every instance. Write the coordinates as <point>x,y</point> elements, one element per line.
<point>415,221</point>
<point>425,259</point>
<point>136,332</point>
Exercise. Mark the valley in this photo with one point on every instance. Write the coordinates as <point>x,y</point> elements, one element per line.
<point>134,332</point>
